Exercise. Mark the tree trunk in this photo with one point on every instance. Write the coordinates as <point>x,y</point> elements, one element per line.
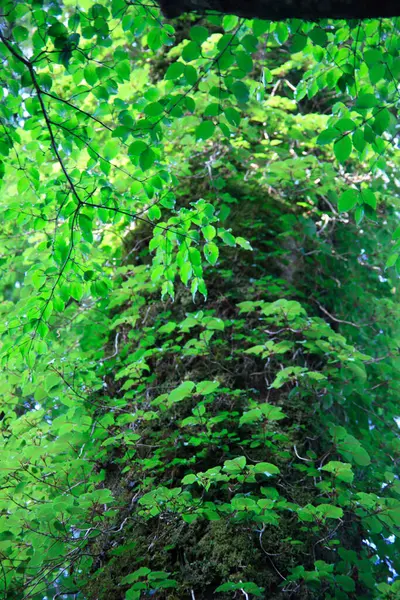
<point>275,10</point>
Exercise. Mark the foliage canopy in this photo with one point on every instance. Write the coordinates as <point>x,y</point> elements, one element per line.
<point>200,323</point>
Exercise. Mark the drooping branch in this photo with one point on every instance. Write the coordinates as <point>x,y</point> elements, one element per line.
<point>278,10</point>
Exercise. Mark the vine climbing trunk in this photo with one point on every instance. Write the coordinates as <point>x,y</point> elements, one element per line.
<point>288,9</point>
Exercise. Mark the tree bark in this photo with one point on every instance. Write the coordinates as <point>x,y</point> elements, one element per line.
<point>278,10</point>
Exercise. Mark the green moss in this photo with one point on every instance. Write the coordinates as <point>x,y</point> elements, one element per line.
<point>114,562</point>
<point>203,555</point>
<point>200,557</point>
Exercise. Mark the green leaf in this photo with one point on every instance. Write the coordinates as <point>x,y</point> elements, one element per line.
<point>244,61</point>
<point>90,74</point>
<point>57,30</point>
<point>111,149</point>
<point>271,412</point>
<point>342,148</point>
<point>365,101</point>
<point>346,583</point>
<point>154,40</point>
<point>229,22</point>
<point>198,34</point>
<point>281,32</point>
<point>345,125</point>
<point>191,76</point>
<point>266,468</point>
<point>341,471</point>
<point>175,70</point>
<point>191,51</point>
<point>189,479</point>
<point>189,518</point>
<point>86,224</point>
<point>241,91</point>
<point>252,588</point>
<point>137,147</point>
<point>20,33</point>
<point>348,200</point>
<point>368,197</point>
<point>181,392</point>
<point>207,387</point>
<point>195,257</point>
<point>359,142</point>
<point>236,465</point>
<point>227,237</point>
<point>382,121</point>
<point>154,109</point>
<point>392,260</point>
<point>212,110</point>
<point>123,68</point>
<point>147,158</point>
<point>205,130</point>
<point>318,36</point>
<point>260,27</point>
<point>232,116</point>
<point>328,511</point>
<point>227,587</point>
<point>23,185</point>
<point>186,272</point>
<point>298,42</point>
<point>211,253</point>
<point>154,213</point>
<point>243,243</point>
<point>327,136</point>
<point>209,232</point>
<point>142,572</point>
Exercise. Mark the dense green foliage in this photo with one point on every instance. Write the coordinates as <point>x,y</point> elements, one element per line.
<point>199,305</point>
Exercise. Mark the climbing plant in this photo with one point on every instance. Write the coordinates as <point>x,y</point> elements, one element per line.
<point>199,329</point>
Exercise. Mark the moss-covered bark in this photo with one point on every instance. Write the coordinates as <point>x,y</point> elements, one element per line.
<point>222,547</point>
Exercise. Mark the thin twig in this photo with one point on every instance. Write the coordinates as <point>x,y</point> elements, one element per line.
<point>334,318</point>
